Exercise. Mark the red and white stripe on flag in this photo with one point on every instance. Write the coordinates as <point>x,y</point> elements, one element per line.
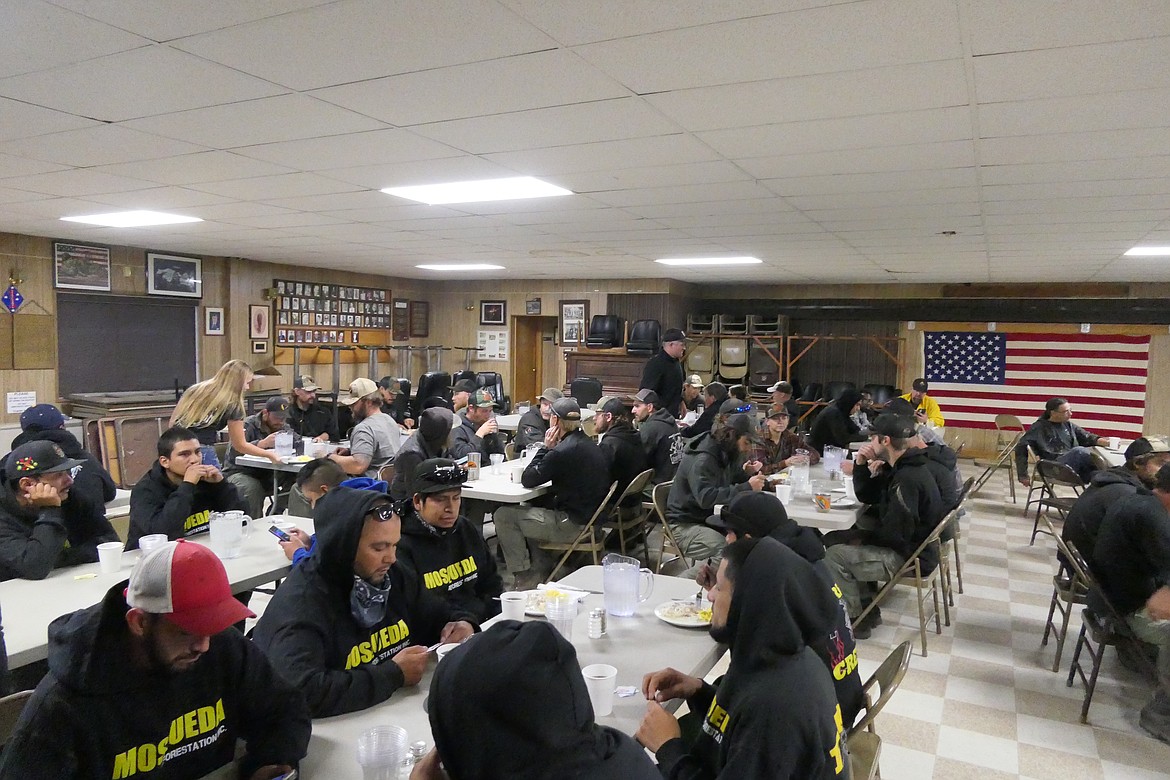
<point>1103,377</point>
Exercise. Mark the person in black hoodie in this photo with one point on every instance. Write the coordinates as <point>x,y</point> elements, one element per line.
<point>660,436</point>
<point>1143,458</point>
<point>908,507</point>
<point>154,680</point>
<point>622,446</point>
<point>579,473</point>
<point>179,493</point>
<point>714,395</point>
<point>350,626</point>
<point>92,485</point>
<point>445,549</point>
<point>774,714</point>
<point>511,703</point>
<point>835,425</point>
<point>1132,565</point>
<point>41,526</point>
<point>533,424</point>
<point>430,441</point>
<point>756,515</point>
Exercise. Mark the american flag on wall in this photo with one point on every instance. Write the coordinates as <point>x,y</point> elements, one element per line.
<point>975,376</point>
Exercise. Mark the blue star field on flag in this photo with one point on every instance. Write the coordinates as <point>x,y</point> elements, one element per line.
<point>968,358</point>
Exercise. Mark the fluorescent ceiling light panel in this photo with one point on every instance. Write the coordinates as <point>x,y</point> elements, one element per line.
<point>1149,251</point>
<point>709,260</point>
<point>515,188</point>
<point>460,267</point>
<point>132,219</point>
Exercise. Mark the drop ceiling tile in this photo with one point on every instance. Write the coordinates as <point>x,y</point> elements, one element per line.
<point>21,120</point>
<point>950,154</point>
<point>1080,205</point>
<point>607,156</point>
<point>464,167</point>
<point>267,120</point>
<point>1017,25</point>
<point>374,147</point>
<point>34,32</point>
<point>12,165</point>
<point>194,168</point>
<point>889,181</point>
<point>822,40</point>
<point>1120,110</point>
<point>365,39</point>
<point>823,96</point>
<point>178,81</point>
<point>1080,189</point>
<point>527,81</point>
<point>99,145</point>
<point>74,182</point>
<point>694,193</point>
<point>1076,70</point>
<point>162,23</point>
<point>160,199</point>
<point>1081,170</point>
<point>269,187</point>
<point>605,120</point>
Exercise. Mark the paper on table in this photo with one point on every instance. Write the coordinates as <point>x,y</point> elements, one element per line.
<point>690,418</point>
<point>578,592</point>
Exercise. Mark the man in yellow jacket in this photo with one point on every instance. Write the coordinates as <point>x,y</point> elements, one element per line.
<point>925,408</point>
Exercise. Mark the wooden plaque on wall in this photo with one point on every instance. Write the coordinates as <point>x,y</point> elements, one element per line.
<point>34,341</point>
<point>400,320</point>
<point>420,318</point>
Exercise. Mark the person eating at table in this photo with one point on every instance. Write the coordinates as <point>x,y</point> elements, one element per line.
<point>253,483</point>
<point>179,493</point>
<point>781,443</point>
<point>756,515</point>
<point>42,524</point>
<point>512,703</point>
<point>775,713</point>
<point>834,425</point>
<point>782,396</point>
<point>155,681</point>
<point>445,549</point>
<point>376,438</point>
<point>390,388</point>
<point>350,626</point>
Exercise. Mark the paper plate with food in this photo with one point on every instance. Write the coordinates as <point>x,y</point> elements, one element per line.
<point>684,613</point>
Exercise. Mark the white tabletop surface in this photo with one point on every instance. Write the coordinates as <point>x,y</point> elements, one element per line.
<point>120,502</point>
<point>510,422</point>
<point>30,605</point>
<point>256,462</point>
<point>1114,457</point>
<point>504,487</point>
<point>635,645</point>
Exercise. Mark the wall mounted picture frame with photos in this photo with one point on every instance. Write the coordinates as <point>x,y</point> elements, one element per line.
<point>323,308</point>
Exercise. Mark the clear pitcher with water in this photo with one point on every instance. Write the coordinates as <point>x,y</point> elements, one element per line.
<point>284,444</point>
<point>832,458</point>
<point>229,531</point>
<point>798,472</point>
<point>625,583</point>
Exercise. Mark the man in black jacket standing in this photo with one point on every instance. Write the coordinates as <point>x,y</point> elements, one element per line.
<point>664,373</point>
<point>909,506</point>
<point>155,677</point>
<point>1132,565</point>
<point>580,479</point>
<point>350,625</point>
<point>775,713</point>
<point>445,549</point>
<point>179,493</point>
<point>39,528</point>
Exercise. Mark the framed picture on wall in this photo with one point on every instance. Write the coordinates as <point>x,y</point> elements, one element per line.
<point>81,267</point>
<point>532,306</point>
<point>212,321</point>
<point>493,312</point>
<point>259,347</point>
<point>173,275</point>
<point>574,321</point>
<point>258,324</point>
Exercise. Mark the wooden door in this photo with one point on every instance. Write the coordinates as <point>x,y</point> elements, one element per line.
<point>528,358</point>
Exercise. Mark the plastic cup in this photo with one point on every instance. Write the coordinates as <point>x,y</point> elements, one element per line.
<point>600,680</point>
<point>512,605</point>
<point>110,556</point>
<point>150,541</point>
<point>380,751</point>
<point>442,650</point>
<point>822,497</point>
<point>560,611</point>
<point>497,459</point>
<point>784,493</point>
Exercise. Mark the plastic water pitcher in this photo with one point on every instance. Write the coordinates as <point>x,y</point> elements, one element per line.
<point>833,458</point>
<point>229,530</point>
<point>623,580</point>
<point>284,444</point>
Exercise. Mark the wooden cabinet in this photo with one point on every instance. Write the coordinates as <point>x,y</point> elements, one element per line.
<point>620,374</point>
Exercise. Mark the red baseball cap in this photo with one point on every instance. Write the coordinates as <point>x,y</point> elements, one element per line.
<point>186,583</point>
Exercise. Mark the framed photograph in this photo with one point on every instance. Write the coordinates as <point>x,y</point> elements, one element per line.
<point>258,324</point>
<point>259,347</point>
<point>574,321</point>
<point>81,267</point>
<point>212,321</point>
<point>173,275</point>
<point>493,312</point>
<point>532,307</point>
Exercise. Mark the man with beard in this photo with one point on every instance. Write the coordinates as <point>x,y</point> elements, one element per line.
<point>155,680</point>
<point>92,484</point>
<point>714,395</point>
<point>534,423</point>
<point>349,626</point>
<point>307,417</point>
<point>621,445</point>
<point>375,439</point>
<point>774,714</point>
<point>444,548</point>
<point>42,524</point>
<point>253,483</point>
<point>1143,458</point>
<point>660,436</point>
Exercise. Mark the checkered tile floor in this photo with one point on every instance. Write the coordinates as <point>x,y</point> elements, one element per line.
<point>984,702</point>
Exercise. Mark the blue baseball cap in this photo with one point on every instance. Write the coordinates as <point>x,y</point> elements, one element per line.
<point>42,417</point>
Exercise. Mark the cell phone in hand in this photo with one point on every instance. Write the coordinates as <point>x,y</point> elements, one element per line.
<point>288,776</point>
<point>279,534</point>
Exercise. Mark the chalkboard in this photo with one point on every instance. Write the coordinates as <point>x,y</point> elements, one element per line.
<point>113,343</point>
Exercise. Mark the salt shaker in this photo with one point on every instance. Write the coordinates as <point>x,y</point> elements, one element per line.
<point>596,623</point>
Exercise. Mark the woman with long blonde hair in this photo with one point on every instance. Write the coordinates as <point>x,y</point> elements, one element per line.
<point>209,405</point>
